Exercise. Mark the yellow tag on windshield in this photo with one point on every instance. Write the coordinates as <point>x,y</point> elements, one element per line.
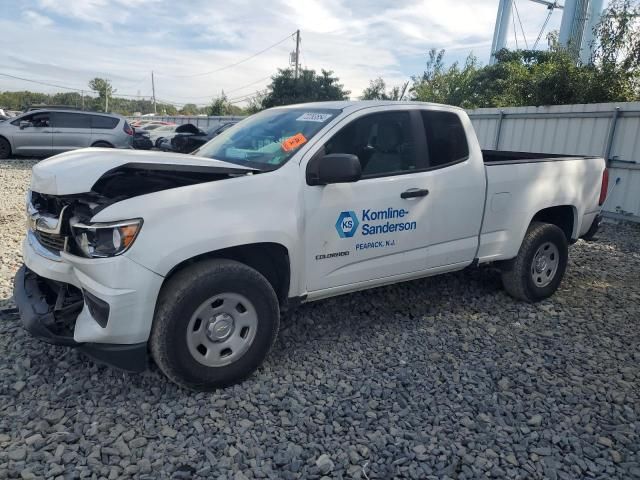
<point>294,142</point>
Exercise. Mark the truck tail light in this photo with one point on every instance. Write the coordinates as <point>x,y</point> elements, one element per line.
<point>127,129</point>
<point>605,187</point>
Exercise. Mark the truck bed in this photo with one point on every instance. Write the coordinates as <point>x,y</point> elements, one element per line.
<point>498,157</point>
<point>519,184</point>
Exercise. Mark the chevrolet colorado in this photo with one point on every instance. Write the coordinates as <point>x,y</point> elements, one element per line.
<point>192,258</point>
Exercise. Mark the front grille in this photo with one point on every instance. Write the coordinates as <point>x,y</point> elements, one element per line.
<point>51,241</point>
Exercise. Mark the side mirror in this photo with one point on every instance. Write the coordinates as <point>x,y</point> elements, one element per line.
<point>25,124</point>
<point>334,168</point>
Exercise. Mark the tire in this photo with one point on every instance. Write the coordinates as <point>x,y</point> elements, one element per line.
<point>5,148</point>
<point>180,341</point>
<point>536,273</point>
<point>102,145</point>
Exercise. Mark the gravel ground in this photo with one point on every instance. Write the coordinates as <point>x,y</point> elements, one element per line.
<point>438,378</point>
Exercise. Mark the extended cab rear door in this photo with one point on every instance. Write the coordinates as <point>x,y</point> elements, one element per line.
<point>456,181</point>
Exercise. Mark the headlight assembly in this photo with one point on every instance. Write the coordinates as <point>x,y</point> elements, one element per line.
<point>100,240</point>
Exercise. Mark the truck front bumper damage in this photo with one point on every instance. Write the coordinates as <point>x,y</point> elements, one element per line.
<point>102,307</point>
<point>39,317</point>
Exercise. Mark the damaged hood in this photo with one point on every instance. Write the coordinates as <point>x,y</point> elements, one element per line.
<point>78,171</point>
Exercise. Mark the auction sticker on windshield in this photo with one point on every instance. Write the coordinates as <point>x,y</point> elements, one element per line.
<point>294,142</point>
<point>314,117</point>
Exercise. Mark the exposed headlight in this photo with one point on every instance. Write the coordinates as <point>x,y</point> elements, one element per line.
<point>100,240</point>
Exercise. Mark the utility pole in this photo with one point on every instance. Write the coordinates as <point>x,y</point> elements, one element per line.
<point>153,88</point>
<point>297,51</point>
<point>82,93</point>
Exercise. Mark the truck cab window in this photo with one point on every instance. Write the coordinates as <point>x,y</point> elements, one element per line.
<point>383,142</point>
<point>446,139</point>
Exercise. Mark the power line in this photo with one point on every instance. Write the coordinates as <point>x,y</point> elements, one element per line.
<point>235,63</point>
<point>228,91</point>
<point>515,4</point>
<point>81,90</point>
<point>42,83</point>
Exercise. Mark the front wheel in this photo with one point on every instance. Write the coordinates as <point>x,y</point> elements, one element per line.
<point>5,148</point>
<point>214,325</point>
<point>536,273</point>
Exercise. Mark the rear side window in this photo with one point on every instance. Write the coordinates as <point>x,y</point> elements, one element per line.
<point>446,139</point>
<point>70,120</point>
<point>98,121</point>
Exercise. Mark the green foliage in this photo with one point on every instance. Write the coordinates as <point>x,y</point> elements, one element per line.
<point>523,77</point>
<point>377,90</point>
<point>102,86</point>
<point>220,106</point>
<point>310,86</point>
<point>531,77</point>
<point>189,109</point>
<point>123,106</point>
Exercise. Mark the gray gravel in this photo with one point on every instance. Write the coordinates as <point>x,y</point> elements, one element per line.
<point>438,378</point>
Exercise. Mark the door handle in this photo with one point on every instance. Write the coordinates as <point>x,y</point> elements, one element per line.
<point>57,131</point>
<point>414,193</point>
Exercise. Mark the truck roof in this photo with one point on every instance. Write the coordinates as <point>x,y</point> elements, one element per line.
<point>354,105</point>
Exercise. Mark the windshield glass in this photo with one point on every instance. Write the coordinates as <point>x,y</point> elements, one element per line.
<point>268,139</point>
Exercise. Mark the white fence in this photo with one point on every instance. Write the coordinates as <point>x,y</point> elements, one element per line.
<point>198,121</point>
<point>610,130</point>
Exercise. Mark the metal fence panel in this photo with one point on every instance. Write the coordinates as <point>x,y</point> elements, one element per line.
<point>203,122</point>
<point>610,130</point>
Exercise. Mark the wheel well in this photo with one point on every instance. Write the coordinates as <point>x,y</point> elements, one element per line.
<point>6,140</point>
<point>102,142</point>
<point>561,216</point>
<point>270,259</point>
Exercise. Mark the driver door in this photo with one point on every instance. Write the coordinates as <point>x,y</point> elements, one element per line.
<point>35,139</point>
<point>376,227</point>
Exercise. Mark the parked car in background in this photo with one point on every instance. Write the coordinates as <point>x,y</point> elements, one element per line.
<point>47,132</point>
<point>190,138</point>
<point>157,134</point>
<point>141,139</point>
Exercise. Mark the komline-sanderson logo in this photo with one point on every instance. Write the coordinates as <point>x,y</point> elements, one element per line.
<point>347,224</point>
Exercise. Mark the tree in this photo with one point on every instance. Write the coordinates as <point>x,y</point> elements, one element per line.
<point>453,85</point>
<point>104,89</point>
<point>255,103</point>
<point>310,86</point>
<point>617,46</point>
<point>219,106</point>
<point>189,109</point>
<point>377,90</point>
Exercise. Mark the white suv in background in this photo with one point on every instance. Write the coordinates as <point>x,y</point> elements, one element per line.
<point>47,132</point>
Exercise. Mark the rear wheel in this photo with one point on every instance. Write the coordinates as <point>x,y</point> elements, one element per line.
<point>5,148</point>
<point>536,273</point>
<point>214,325</point>
<point>102,145</point>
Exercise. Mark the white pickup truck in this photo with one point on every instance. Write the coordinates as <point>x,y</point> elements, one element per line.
<point>192,258</point>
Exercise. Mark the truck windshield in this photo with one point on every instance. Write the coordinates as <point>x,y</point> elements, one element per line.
<point>267,140</point>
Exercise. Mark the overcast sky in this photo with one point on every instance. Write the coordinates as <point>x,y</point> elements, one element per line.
<point>67,42</point>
